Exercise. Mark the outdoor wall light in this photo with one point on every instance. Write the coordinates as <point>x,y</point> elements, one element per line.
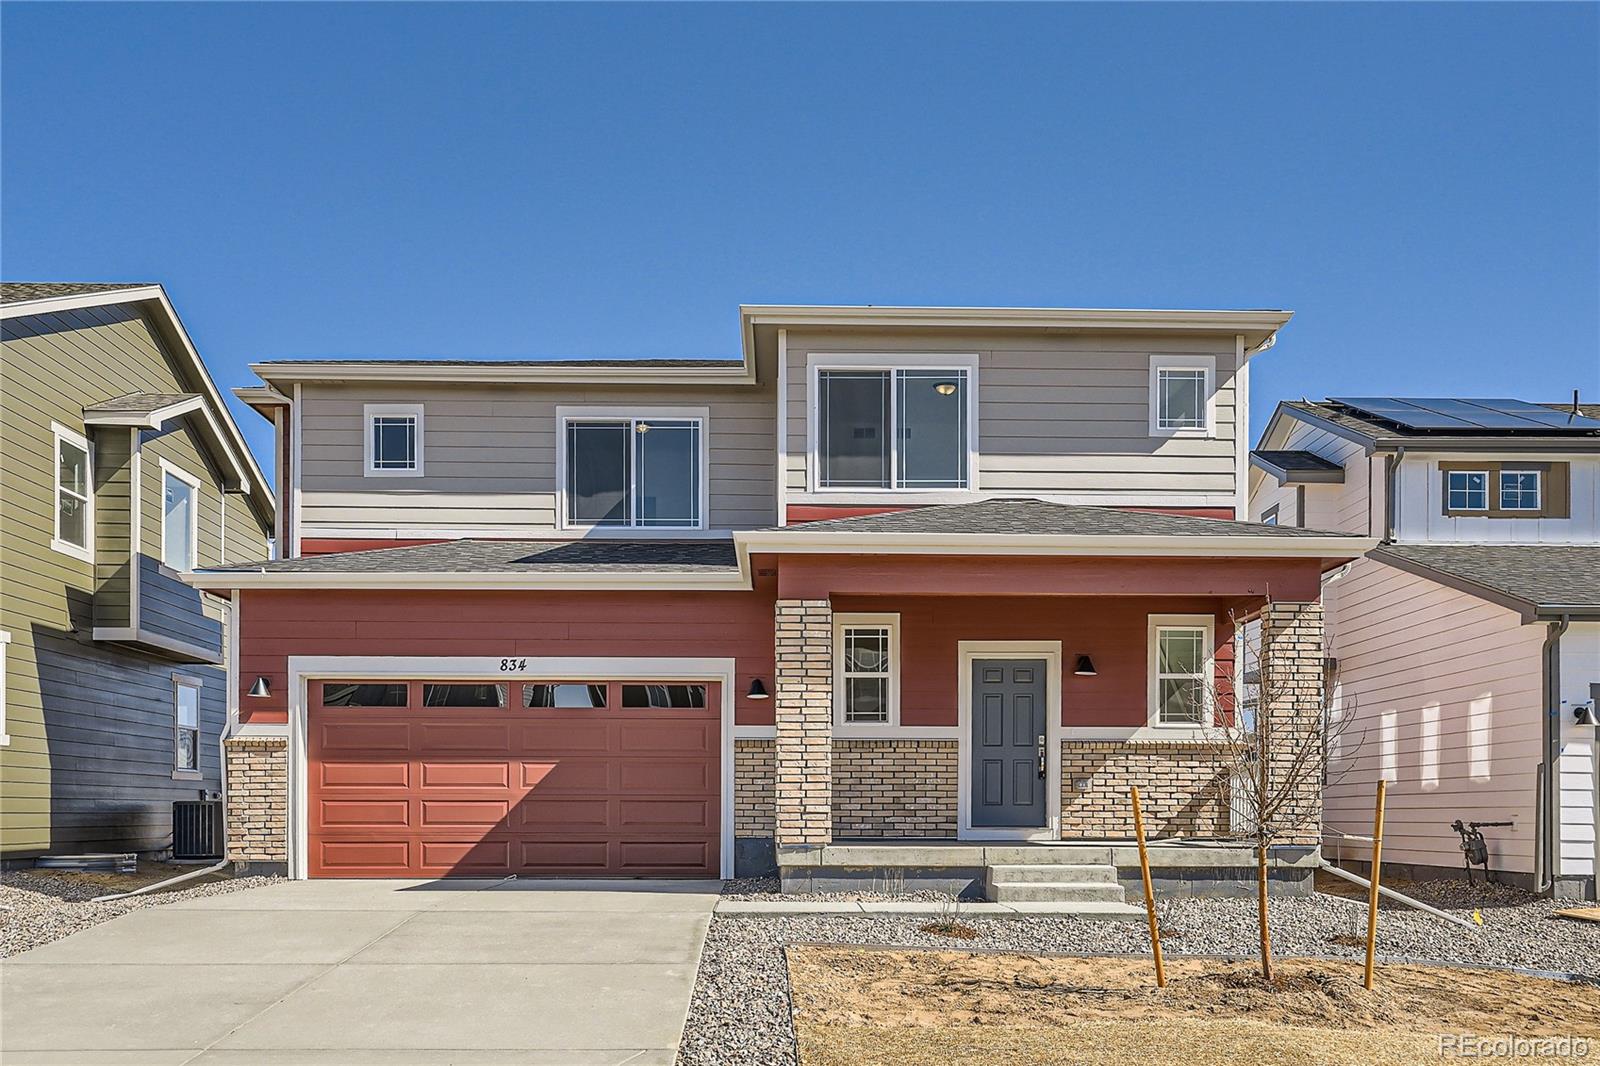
<point>260,689</point>
<point>945,388</point>
<point>758,691</point>
<point>1085,667</point>
<point>642,427</point>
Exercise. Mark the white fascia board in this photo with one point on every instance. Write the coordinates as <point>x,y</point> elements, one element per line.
<point>1025,317</point>
<point>260,396</point>
<point>149,419</point>
<point>51,304</point>
<point>736,373</point>
<point>591,581</point>
<point>799,541</point>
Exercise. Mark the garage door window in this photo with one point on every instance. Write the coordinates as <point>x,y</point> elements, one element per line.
<point>465,695</point>
<point>363,694</point>
<point>663,695</point>
<point>564,695</point>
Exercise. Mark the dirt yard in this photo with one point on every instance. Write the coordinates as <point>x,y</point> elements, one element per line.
<point>855,1007</point>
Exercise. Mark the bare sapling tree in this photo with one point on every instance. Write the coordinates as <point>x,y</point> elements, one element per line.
<point>1275,727</point>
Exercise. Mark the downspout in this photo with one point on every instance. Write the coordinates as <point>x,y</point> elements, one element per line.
<point>1391,494</point>
<point>1549,784</point>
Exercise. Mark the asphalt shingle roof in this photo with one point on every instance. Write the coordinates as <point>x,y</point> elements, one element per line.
<point>14,292</point>
<point>514,556</point>
<point>139,403</point>
<point>1296,460</point>
<point>1026,517</point>
<point>1536,575</point>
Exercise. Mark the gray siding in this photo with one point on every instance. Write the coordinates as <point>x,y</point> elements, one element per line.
<point>489,458</point>
<point>1065,416</point>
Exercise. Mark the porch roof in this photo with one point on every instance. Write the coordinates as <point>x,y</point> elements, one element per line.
<point>1540,581</point>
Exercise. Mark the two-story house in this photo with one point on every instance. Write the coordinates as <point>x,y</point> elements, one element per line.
<point>1468,643</point>
<point>959,575</point>
<point>120,470</point>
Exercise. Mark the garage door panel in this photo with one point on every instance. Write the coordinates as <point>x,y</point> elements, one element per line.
<point>377,774</point>
<point>442,773</point>
<point>485,813</point>
<point>488,791</point>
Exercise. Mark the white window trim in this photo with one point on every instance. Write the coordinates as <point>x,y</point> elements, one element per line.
<point>1538,490</point>
<point>701,415</point>
<point>1158,622</point>
<point>371,411</point>
<point>1487,498</point>
<point>5,641</point>
<point>859,730</point>
<point>194,512</point>
<point>182,681</point>
<point>86,552</point>
<point>1208,363</point>
<point>817,362</point>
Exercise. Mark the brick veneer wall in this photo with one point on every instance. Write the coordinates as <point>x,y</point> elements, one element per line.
<point>894,788</point>
<point>804,714</point>
<point>1182,788</point>
<point>752,788</point>
<point>1291,702</point>
<point>258,799</point>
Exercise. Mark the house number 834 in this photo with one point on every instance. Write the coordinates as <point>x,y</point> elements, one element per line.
<point>509,665</point>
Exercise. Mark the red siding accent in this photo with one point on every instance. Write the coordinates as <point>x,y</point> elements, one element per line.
<point>334,545</point>
<point>816,512</point>
<point>276,624</point>
<point>1112,632</point>
<point>1191,512</point>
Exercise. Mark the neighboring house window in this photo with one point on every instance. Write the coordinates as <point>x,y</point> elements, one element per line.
<point>1180,669</point>
<point>867,671</point>
<point>74,503</point>
<point>186,725</point>
<point>1181,390</point>
<point>895,428</point>
<point>1519,490</point>
<point>180,517</point>
<point>639,471</point>
<point>393,439</point>
<point>1468,490</point>
<point>1270,517</point>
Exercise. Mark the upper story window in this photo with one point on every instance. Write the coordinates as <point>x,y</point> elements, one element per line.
<point>393,445</point>
<point>1467,490</point>
<point>1180,669</point>
<point>180,513</point>
<point>1519,490</point>
<point>1181,391</point>
<point>74,502</point>
<point>644,470</point>
<point>894,428</point>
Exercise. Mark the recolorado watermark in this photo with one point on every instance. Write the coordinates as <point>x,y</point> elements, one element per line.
<point>1473,1046</point>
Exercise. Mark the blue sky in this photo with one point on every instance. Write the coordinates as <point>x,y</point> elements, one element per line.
<point>1417,182</point>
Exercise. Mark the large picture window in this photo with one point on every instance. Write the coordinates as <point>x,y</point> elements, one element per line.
<point>634,472</point>
<point>74,504</point>
<point>893,428</point>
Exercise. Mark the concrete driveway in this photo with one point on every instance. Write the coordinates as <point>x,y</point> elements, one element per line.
<point>353,972</point>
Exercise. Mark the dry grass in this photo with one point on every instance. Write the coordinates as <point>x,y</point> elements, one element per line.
<point>106,882</point>
<point>937,1008</point>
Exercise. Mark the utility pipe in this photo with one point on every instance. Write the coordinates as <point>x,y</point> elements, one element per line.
<point>1550,787</point>
<point>1389,893</point>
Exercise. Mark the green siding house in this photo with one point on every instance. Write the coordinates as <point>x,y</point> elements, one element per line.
<point>120,468</point>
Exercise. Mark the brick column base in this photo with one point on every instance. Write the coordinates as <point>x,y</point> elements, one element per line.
<point>802,755</point>
<point>258,799</point>
<point>1291,694</point>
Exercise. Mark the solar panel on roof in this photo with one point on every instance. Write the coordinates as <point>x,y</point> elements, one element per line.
<point>1469,416</point>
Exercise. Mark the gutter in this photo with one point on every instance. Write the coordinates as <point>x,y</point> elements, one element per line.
<point>1547,859</point>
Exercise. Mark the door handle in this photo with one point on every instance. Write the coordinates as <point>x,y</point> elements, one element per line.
<point>1041,756</point>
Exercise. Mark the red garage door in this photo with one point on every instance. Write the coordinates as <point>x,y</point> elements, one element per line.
<point>440,779</point>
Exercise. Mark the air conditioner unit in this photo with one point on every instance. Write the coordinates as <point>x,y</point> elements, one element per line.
<point>196,829</point>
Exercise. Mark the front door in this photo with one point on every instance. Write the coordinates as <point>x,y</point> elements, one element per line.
<point>1008,743</point>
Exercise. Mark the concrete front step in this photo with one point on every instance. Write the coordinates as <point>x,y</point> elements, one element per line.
<point>1056,873</point>
<point>1053,892</point>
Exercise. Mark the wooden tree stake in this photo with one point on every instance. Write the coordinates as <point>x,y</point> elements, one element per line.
<point>1149,892</point>
<point>1372,892</point>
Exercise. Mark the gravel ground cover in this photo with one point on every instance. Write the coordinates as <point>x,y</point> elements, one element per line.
<point>37,907</point>
<point>740,1013</point>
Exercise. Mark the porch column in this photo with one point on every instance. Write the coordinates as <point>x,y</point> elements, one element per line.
<point>1292,665</point>
<point>803,754</point>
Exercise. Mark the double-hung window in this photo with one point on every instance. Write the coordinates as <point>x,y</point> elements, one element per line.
<point>896,428</point>
<point>74,503</point>
<point>1180,670</point>
<point>1467,490</point>
<point>180,521</point>
<point>1181,388</point>
<point>1519,490</point>
<point>185,725</point>
<point>866,671</point>
<point>634,471</point>
<point>393,442</point>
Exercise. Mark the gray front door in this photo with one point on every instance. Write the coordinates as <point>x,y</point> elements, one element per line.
<point>1008,730</point>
